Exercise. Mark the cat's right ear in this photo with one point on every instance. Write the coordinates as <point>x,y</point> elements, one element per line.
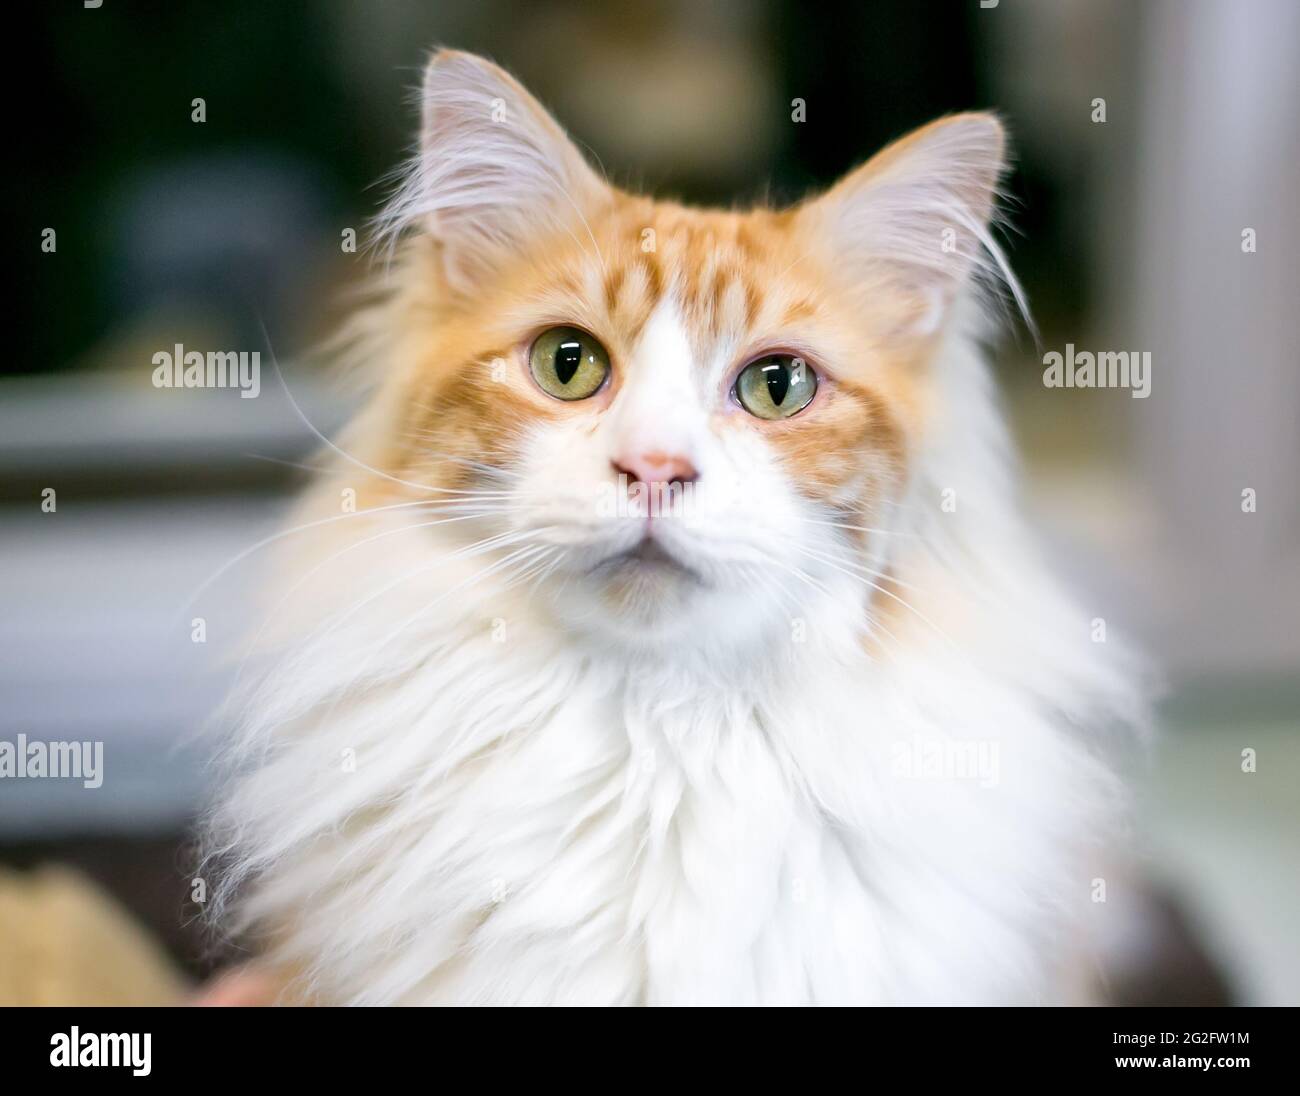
<point>493,169</point>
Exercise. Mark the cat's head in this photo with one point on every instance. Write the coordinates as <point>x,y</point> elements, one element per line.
<point>676,421</point>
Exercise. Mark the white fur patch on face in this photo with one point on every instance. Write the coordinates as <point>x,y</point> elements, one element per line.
<point>723,557</point>
<point>661,405</point>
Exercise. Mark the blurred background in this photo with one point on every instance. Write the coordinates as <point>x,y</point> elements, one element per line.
<point>1148,138</point>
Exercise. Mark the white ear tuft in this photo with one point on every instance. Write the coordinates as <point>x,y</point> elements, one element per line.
<point>492,170</point>
<point>917,214</point>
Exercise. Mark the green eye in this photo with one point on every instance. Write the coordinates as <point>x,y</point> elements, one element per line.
<point>776,387</point>
<point>568,364</point>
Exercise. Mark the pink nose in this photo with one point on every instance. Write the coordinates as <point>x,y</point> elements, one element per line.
<point>657,467</point>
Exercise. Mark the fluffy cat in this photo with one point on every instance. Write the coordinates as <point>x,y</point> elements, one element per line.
<point>685,644</point>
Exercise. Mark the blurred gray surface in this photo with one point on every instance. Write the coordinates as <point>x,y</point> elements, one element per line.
<point>95,633</point>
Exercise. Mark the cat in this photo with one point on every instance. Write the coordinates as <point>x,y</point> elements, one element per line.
<point>664,629</point>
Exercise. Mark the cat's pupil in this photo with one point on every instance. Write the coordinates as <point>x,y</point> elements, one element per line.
<point>778,383</point>
<point>568,356</point>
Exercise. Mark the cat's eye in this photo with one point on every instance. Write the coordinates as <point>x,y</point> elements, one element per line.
<point>776,386</point>
<point>568,363</point>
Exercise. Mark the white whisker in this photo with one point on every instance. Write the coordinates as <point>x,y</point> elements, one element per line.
<point>428,504</point>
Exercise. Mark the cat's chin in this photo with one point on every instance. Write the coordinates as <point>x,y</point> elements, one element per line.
<point>643,589</point>
<point>644,599</point>
<point>647,567</point>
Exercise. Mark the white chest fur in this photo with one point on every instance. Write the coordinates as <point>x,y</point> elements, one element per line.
<point>510,818</point>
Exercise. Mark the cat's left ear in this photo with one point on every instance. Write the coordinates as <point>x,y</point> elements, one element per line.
<point>493,172</point>
<point>913,221</point>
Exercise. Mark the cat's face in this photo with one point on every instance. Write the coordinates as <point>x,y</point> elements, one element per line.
<point>676,419</point>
